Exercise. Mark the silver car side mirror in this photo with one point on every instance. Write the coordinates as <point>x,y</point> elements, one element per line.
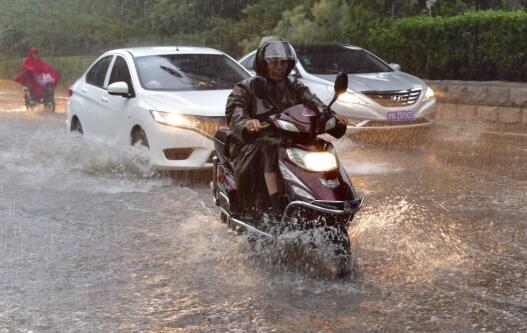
<point>397,67</point>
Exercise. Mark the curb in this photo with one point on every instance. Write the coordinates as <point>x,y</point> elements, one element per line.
<point>504,137</point>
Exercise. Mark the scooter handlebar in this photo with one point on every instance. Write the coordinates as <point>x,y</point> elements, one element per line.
<point>264,125</point>
<point>252,136</point>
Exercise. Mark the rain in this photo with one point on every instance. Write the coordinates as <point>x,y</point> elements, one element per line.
<point>94,238</point>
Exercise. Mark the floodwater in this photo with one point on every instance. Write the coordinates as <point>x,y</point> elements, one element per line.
<point>92,240</point>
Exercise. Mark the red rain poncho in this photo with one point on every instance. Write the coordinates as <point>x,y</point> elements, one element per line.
<point>37,75</point>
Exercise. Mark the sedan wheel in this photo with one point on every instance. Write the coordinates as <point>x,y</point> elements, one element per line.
<point>76,126</point>
<point>139,137</point>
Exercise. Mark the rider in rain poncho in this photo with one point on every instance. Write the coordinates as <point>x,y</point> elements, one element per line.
<point>256,164</point>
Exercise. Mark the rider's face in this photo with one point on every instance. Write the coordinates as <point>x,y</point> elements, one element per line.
<point>277,69</point>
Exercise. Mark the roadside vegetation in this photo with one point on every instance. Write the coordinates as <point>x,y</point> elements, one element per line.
<point>443,39</point>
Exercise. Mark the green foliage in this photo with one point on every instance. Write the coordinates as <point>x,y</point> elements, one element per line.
<point>456,7</point>
<point>443,45</point>
<point>483,45</point>
<point>71,67</point>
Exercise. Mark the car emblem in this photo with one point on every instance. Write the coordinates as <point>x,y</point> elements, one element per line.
<point>397,98</point>
<point>331,183</point>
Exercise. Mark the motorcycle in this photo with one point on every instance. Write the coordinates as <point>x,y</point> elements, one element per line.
<point>321,194</point>
<point>47,98</point>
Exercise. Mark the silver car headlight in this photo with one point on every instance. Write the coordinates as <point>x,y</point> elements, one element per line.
<point>286,126</point>
<point>351,98</point>
<point>429,94</point>
<point>313,160</point>
<point>174,119</point>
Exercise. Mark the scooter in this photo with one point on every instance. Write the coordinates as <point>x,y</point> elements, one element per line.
<point>48,99</point>
<point>321,194</point>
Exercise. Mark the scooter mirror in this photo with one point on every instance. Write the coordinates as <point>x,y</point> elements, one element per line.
<point>341,83</point>
<point>260,88</point>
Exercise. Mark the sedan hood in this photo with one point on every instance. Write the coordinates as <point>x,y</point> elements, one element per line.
<point>209,103</point>
<point>388,81</point>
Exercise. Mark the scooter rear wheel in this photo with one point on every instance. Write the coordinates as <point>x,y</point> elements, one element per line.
<point>28,102</point>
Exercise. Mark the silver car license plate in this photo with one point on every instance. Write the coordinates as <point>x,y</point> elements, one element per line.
<point>401,115</point>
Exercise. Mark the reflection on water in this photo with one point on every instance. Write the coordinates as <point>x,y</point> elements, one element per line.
<point>92,240</point>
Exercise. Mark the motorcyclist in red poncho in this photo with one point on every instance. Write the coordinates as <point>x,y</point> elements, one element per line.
<point>39,79</point>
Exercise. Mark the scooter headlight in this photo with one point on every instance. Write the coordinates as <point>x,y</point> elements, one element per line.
<point>286,126</point>
<point>313,160</point>
<point>174,119</point>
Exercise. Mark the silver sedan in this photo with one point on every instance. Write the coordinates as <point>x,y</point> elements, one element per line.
<point>380,96</point>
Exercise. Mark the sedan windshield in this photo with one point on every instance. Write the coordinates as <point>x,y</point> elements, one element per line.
<point>184,72</point>
<point>333,59</point>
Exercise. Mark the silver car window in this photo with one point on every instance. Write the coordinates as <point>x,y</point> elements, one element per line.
<point>249,62</point>
<point>185,72</point>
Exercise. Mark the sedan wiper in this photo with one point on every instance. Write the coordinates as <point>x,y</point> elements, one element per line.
<point>171,71</point>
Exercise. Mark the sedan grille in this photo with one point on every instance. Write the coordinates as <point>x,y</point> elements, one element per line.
<point>394,98</point>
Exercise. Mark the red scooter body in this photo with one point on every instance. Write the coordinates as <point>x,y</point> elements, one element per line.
<point>320,192</point>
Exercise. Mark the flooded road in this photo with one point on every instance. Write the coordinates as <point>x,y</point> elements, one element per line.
<point>91,240</point>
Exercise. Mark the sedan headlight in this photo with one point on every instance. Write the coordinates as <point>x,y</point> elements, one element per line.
<point>351,98</point>
<point>174,119</point>
<point>312,160</point>
<point>428,95</point>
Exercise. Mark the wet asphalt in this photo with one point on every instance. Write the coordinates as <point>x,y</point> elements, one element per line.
<point>93,240</point>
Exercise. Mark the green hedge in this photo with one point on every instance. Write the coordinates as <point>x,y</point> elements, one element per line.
<point>483,45</point>
<point>70,68</point>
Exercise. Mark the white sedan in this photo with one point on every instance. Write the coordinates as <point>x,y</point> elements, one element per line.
<point>379,96</point>
<point>169,99</point>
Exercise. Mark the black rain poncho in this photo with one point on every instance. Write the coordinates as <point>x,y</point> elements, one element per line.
<point>251,160</point>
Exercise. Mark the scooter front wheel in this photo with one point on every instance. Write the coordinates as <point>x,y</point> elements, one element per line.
<point>223,217</point>
<point>343,257</point>
<point>50,107</point>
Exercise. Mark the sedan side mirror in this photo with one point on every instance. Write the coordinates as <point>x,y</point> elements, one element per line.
<point>397,67</point>
<point>294,73</point>
<point>119,89</point>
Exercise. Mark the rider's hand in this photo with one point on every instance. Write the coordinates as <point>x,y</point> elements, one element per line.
<point>252,125</point>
